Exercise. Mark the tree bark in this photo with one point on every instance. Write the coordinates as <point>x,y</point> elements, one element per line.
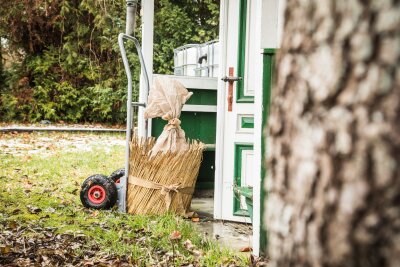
<point>333,158</point>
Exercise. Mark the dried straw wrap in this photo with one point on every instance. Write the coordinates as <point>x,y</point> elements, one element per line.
<point>164,182</point>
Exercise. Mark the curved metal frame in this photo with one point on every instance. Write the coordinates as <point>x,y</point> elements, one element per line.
<point>122,187</point>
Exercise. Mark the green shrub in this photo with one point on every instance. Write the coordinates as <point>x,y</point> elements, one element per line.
<point>69,66</point>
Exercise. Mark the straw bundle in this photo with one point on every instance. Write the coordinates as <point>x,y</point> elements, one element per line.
<point>164,182</point>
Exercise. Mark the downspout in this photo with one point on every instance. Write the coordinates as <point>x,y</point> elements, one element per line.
<point>131,6</point>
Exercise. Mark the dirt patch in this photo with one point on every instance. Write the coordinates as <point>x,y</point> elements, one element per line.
<point>46,143</point>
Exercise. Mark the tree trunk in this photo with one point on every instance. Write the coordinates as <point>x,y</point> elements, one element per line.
<point>334,136</point>
<point>1,63</point>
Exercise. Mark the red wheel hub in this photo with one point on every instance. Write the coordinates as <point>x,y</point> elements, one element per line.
<point>97,194</point>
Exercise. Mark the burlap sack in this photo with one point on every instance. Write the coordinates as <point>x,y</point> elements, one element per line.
<point>166,99</point>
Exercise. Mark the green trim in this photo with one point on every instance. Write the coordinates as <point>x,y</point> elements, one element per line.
<point>247,122</point>
<point>238,176</point>
<point>271,51</point>
<point>242,38</point>
<point>268,65</point>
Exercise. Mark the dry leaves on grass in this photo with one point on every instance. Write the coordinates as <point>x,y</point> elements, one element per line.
<point>23,246</point>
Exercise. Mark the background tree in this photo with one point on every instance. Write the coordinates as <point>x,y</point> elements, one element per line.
<point>334,136</point>
<point>66,63</point>
<point>182,22</point>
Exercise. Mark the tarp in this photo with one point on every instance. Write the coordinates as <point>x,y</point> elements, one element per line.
<point>166,99</point>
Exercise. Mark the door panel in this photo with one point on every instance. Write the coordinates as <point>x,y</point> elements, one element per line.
<point>238,157</point>
<point>243,174</point>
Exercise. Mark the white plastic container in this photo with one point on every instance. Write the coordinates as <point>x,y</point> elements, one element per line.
<point>199,60</point>
<point>185,60</point>
<point>214,66</point>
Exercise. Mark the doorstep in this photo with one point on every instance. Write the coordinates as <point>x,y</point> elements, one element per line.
<point>232,235</point>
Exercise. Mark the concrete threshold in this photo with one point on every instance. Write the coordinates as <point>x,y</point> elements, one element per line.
<point>232,235</point>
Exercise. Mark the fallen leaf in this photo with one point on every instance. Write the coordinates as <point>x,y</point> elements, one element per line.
<point>188,245</point>
<point>50,210</point>
<point>190,214</point>
<point>197,253</point>
<point>195,219</point>
<point>5,250</point>
<point>141,239</point>
<point>27,185</point>
<point>26,158</point>
<point>33,209</point>
<point>16,211</point>
<point>95,213</point>
<point>175,235</point>
<point>12,225</point>
<point>246,249</point>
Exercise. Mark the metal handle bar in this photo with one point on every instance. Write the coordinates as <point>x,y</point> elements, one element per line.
<point>123,185</point>
<point>121,38</point>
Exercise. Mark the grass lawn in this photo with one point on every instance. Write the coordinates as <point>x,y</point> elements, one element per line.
<point>42,220</point>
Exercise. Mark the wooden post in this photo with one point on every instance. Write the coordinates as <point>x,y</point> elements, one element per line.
<point>147,48</point>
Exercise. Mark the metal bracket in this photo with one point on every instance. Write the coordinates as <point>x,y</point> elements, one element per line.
<point>131,2</point>
<point>138,104</point>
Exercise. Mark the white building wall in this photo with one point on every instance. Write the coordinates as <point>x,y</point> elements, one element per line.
<point>272,22</point>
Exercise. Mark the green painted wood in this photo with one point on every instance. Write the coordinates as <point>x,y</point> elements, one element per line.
<point>240,97</point>
<point>239,147</point>
<point>206,177</point>
<point>200,126</point>
<point>203,97</point>
<point>200,185</point>
<point>247,122</point>
<point>270,51</point>
<point>197,125</point>
<point>268,66</point>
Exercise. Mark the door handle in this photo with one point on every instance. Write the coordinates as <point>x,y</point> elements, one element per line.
<point>230,79</point>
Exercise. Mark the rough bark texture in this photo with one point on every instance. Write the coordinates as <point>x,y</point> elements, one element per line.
<point>334,136</point>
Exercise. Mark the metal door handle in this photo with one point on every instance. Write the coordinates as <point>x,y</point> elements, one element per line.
<point>230,79</point>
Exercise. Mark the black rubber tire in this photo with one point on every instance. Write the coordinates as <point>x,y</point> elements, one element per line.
<point>111,193</point>
<point>116,175</point>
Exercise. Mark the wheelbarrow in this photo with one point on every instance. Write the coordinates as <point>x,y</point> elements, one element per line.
<point>100,191</point>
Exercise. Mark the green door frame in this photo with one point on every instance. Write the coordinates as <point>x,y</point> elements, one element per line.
<point>268,69</point>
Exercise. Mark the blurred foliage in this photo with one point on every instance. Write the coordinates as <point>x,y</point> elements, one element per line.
<point>61,61</point>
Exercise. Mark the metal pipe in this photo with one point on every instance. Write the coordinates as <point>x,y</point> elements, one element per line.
<point>131,6</point>
<point>56,129</point>
<point>123,185</point>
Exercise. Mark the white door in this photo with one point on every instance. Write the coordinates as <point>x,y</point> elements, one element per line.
<point>235,131</point>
